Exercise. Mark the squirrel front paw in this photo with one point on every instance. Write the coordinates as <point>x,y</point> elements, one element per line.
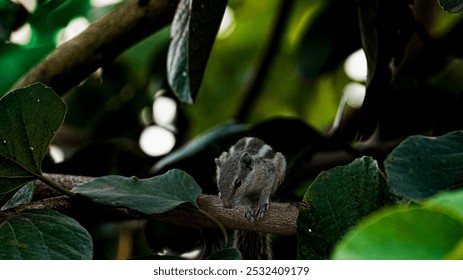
<point>261,211</point>
<point>252,216</point>
<point>249,215</point>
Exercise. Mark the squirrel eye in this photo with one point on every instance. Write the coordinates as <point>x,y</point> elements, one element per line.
<point>237,182</point>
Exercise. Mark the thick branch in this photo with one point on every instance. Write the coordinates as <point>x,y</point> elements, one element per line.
<point>280,218</point>
<point>100,43</point>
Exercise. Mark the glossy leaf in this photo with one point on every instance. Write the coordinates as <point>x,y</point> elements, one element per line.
<point>193,32</point>
<point>150,196</point>
<point>43,234</point>
<point>451,6</point>
<point>423,166</point>
<point>30,118</point>
<point>337,200</point>
<point>402,234</point>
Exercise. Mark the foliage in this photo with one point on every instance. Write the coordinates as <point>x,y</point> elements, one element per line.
<point>405,233</point>
<point>149,196</point>
<point>399,232</point>
<point>409,232</point>
<point>32,116</point>
<point>438,158</point>
<point>338,199</point>
<point>193,31</point>
<point>43,234</point>
<point>369,196</point>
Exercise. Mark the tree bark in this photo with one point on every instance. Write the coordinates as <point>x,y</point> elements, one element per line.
<point>280,219</point>
<point>100,44</point>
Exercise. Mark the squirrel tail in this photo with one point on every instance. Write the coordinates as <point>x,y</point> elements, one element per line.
<point>253,245</point>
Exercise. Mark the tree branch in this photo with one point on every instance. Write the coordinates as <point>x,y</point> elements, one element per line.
<point>280,219</point>
<point>100,43</point>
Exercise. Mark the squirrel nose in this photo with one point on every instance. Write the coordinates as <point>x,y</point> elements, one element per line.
<point>227,204</point>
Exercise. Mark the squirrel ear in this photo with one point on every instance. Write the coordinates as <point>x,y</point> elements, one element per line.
<point>247,160</point>
<point>217,162</point>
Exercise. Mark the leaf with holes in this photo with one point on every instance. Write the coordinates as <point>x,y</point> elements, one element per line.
<point>43,234</point>
<point>149,196</point>
<point>29,117</point>
<point>194,28</point>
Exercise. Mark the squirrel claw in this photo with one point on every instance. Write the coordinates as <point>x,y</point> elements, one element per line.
<point>249,215</point>
<point>261,211</point>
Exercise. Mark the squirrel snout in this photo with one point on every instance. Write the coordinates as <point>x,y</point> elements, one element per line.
<point>227,204</point>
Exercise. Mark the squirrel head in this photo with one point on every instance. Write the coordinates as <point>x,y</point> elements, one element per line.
<point>233,175</point>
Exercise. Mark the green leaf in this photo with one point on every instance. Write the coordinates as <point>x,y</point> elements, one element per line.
<point>449,202</point>
<point>22,196</point>
<point>337,200</point>
<point>451,6</point>
<point>30,118</point>
<point>423,166</point>
<point>194,28</point>
<point>43,234</point>
<point>402,234</point>
<point>149,196</point>
<point>226,254</point>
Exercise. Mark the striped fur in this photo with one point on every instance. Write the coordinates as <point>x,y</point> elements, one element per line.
<point>247,175</point>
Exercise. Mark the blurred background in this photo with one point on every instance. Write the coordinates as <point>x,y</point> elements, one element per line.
<point>124,119</point>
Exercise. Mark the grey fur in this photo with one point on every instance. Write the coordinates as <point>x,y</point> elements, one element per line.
<point>248,174</point>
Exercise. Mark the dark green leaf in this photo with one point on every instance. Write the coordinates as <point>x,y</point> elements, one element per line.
<point>337,200</point>
<point>150,196</point>
<point>43,234</point>
<point>451,6</point>
<point>22,196</point>
<point>226,254</point>
<point>423,166</point>
<point>199,143</point>
<point>30,118</point>
<point>194,28</point>
<point>402,234</point>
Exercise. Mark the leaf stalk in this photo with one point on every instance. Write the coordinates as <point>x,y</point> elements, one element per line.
<point>218,223</point>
